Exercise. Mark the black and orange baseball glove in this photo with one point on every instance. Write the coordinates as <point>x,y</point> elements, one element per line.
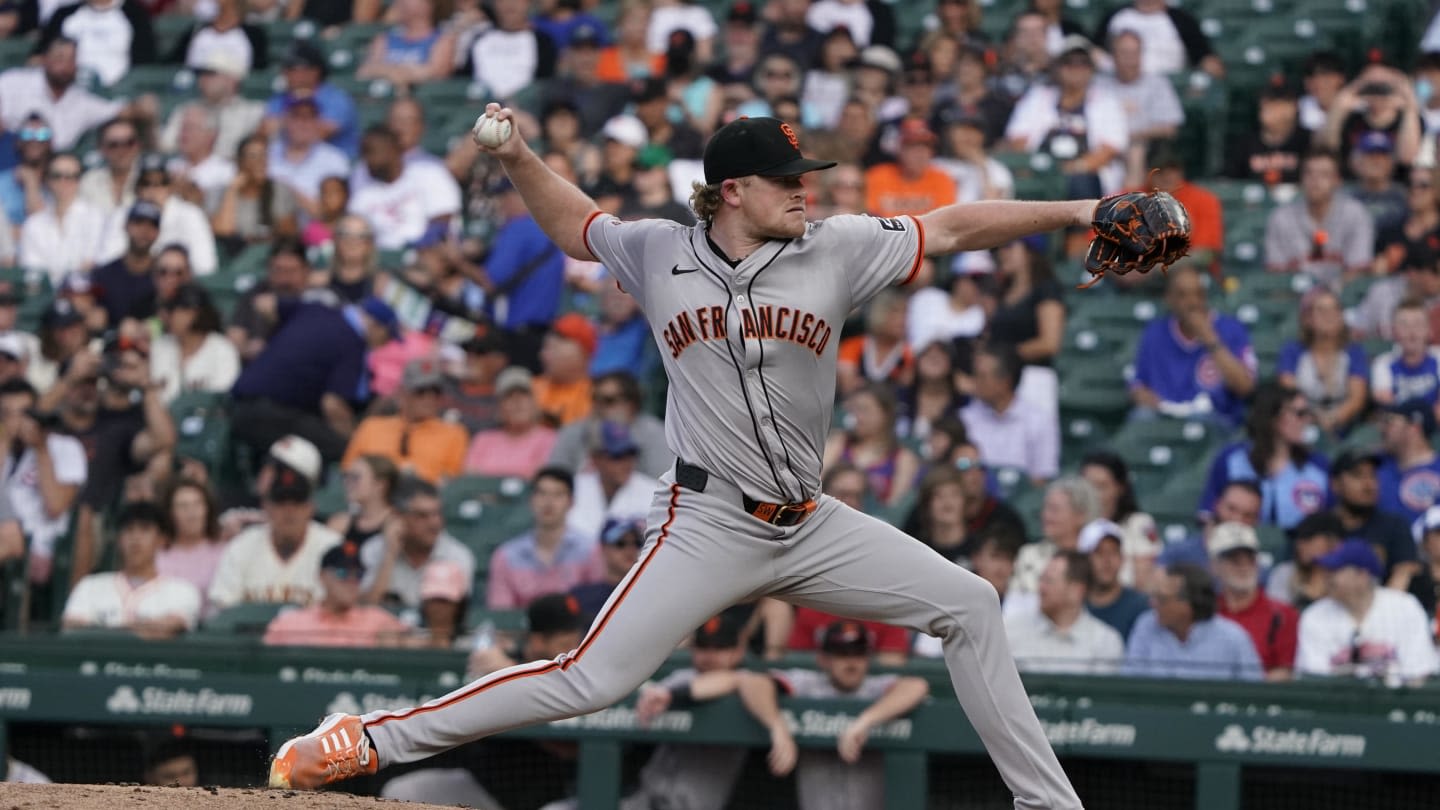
<point>1135,232</point>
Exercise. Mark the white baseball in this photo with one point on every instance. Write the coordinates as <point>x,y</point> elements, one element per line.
<point>490,131</point>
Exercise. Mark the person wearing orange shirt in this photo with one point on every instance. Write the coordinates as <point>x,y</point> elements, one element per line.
<point>1207,224</point>
<point>563,387</point>
<point>416,439</point>
<point>880,355</point>
<point>910,185</point>
<point>339,620</point>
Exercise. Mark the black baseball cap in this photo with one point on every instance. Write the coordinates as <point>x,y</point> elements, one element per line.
<point>289,487</point>
<point>554,613</point>
<point>845,637</point>
<point>344,557</point>
<point>305,54</point>
<point>743,12</point>
<point>1416,412</point>
<point>763,146</point>
<point>1352,457</point>
<point>719,633</point>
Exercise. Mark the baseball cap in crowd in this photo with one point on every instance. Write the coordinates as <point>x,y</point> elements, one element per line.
<point>222,61</point>
<point>914,131</point>
<point>144,211</point>
<point>654,156</point>
<point>382,314</point>
<point>679,47</point>
<point>577,327</point>
<point>514,378</point>
<point>298,454</point>
<point>554,613</point>
<point>613,440</point>
<point>616,530</point>
<point>648,89</point>
<point>422,373</point>
<point>845,637</point>
<point>1231,536</point>
<point>1429,521</point>
<point>1416,412</point>
<point>343,557</point>
<point>13,347</point>
<point>718,633</point>
<point>1076,44</point>
<point>1422,254</point>
<point>762,146</point>
<point>743,11</point>
<point>626,129</point>
<point>289,486</point>
<point>77,283</point>
<point>61,314</point>
<point>1375,143</point>
<point>918,68</point>
<point>879,57</point>
<point>485,341</point>
<point>1279,88</point>
<point>444,580</point>
<point>304,54</point>
<point>1097,530</point>
<point>586,35</point>
<point>1356,553</point>
<point>1352,457</point>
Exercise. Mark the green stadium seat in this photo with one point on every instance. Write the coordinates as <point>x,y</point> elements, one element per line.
<point>202,428</point>
<point>250,618</point>
<point>330,499</point>
<point>1010,482</point>
<point>482,511</point>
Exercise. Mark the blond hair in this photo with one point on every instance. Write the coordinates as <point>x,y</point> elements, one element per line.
<point>705,200</point>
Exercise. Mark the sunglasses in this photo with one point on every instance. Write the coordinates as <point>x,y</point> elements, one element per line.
<point>63,175</point>
<point>779,74</point>
<point>125,143</point>
<point>35,135</point>
<point>171,270</point>
<point>966,464</point>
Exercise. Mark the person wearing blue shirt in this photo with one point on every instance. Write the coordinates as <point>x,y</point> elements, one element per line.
<point>1411,370</point>
<point>1181,637</point>
<point>1192,363</point>
<point>1293,480</point>
<point>1107,598</point>
<point>527,276</point>
<point>311,375</point>
<point>566,20</point>
<point>1409,474</point>
<point>305,71</point>
<point>625,340</point>
<point>31,151</point>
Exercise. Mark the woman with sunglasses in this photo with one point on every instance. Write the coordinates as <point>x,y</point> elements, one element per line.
<point>22,189</point>
<point>369,482</point>
<point>1293,479</point>
<point>68,233</point>
<point>192,353</point>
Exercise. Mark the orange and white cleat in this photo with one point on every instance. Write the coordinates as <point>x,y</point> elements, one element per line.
<point>338,749</point>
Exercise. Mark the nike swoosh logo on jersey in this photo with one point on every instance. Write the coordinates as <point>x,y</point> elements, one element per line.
<point>677,270</point>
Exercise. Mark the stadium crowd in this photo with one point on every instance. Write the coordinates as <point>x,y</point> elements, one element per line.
<point>289,242</point>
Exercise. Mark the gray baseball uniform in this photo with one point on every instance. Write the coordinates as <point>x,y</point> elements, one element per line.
<point>750,353</point>
<point>824,781</point>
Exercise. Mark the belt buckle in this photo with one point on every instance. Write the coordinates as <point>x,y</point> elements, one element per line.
<point>792,514</point>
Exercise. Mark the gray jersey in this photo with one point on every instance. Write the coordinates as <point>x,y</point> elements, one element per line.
<point>771,323</point>
<point>687,777</point>
<point>823,781</point>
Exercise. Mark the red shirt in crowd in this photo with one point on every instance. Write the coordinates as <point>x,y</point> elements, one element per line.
<point>1273,627</point>
<point>809,624</point>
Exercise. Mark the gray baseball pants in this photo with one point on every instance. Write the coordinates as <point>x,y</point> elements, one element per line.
<point>703,553</point>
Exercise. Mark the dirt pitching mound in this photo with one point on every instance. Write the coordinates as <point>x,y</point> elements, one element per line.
<point>130,797</point>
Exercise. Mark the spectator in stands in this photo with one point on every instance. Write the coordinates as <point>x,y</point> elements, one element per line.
<point>1409,476</point>
<point>353,260</point>
<point>310,377</point>
<point>612,486</point>
<point>1363,630</point>
<point>181,223</point>
<point>1059,635</point>
<point>977,176</point>
<point>653,197</point>
<point>125,285</point>
<point>551,557</point>
<point>1324,75</point>
<point>1026,56</point>
<point>958,22</point>
<point>788,33</point>
<point>1271,152</point>
<point>1152,108</point>
<point>1381,99</point>
<point>136,597</point>
<point>698,95</point>
<point>941,511</point>
<point>255,206</point>
<point>1417,234</point>
<point>22,187</point>
<point>1277,455</point>
<point>519,444</point>
<point>620,542</point>
<point>62,338</point>
<point>1298,581</point>
<point>937,315</point>
<point>1372,164</point>
<point>910,184</point>
<point>1139,539</point>
<point>669,16</point>
<point>996,548</point>
<point>201,175</point>
<point>625,344</point>
<point>563,388</point>
<point>510,56</point>
<point>337,619</point>
<point>827,82</point>
<point>370,482</point>
<point>396,559</point>
<point>1325,233</point>
<point>192,548</point>
<point>111,185</point>
<point>1028,317</point>
<point>172,764</point>
<point>1411,370</point>
<point>235,117</point>
<point>1419,278</point>
<point>1207,238</point>
<point>404,199</point>
<point>1009,432</point>
<point>417,439</point>
<point>591,84</point>
<point>975,101</point>
<point>1194,363</point>
<point>1171,36</point>
<point>1355,493</point>
<point>192,354</point>
<point>1239,502</point>
<point>808,629</point>
<point>405,118</point>
<point>44,471</point>
<point>1424,584</point>
<point>651,102</point>
<point>414,50</point>
<point>49,90</point>
<point>300,157</point>
<point>616,397</point>
<point>444,598</point>
<point>335,117</point>
<point>871,444</point>
<point>1234,559</point>
<point>879,355</point>
<point>471,393</point>
<point>1324,365</point>
<point>109,36</point>
<point>740,52</point>
<point>1108,598</point>
<point>245,44</point>
<point>256,314</point>
<point>525,270</point>
<point>844,663</point>
<point>1182,637</point>
<point>279,560</point>
<point>67,234</point>
<point>1077,122</point>
<point>1070,503</point>
<point>982,508</point>
<point>846,483</point>
<point>933,397</point>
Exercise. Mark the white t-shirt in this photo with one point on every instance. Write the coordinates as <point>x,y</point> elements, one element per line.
<point>505,61</point>
<point>102,40</point>
<point>827,15</point>
<point>24,91</point>
<point>1037,114</point>
<point>589,510</point>
<point>208,41</point>
<point>109,600</point>
<point>1161,49</point>
<point>400,211</point>
<point>1394,639</point>
<point>251,571</point>
<point>22,482</point>
<point>61,246</point>
<point>213,368</point>
<point>697,19</point>
<point>930,318</point>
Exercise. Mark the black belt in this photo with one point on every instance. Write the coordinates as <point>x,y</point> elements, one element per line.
<point>776,514</point>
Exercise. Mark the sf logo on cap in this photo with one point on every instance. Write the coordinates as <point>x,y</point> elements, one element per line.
<point>790,135</point>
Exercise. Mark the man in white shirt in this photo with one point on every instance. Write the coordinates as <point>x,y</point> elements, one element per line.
<point>279,560</point>
<point>181,223</point>
<point>50,91</point>
<point>136,597</point>
<point>299,157</point>
<point>43,473</point>
<point>406,118</point>
<point>511,55</point>
<point>68,234</point>
<point>1007,432</point>
<point>612,487</point>
<point>1362,629</point>
<point>110,35</point>
<point>403,199</point>
<point>1059,635</point>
